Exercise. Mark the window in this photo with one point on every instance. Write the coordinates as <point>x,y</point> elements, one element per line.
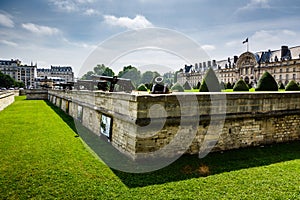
<point>280,77</point>
<point>287,69</point>
<point>287,76</point>
<point>280,70</point>
<point>294,76</point>
<point>294,69</point>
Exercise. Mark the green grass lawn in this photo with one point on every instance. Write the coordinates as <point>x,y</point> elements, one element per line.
<point>43,158</point>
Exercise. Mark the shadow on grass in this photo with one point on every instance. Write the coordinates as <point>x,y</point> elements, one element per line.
<point>65,117</point>
<point>188,166</point>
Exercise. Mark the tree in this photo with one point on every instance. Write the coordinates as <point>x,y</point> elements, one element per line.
<point>267,83</point>
<point>131,73</point>
<point>292,86</point>
<point>175,76</point>
<point>7,81</point>
<point>241,85</point>
<point>101,70</point>
<point>148,76</point>
<point>210,82</point>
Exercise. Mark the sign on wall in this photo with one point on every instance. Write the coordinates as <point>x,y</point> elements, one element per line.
<point>106,126</point>
<point>79,113</point>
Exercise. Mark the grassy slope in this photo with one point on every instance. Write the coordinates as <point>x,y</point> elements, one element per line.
<point>40,157</point>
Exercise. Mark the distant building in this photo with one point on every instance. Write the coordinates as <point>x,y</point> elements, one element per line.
<point>57,73</point>
<point>22,73</point>
<point>283,64</point>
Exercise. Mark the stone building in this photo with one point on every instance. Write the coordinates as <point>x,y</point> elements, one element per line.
<point>22,73</point>
<point>283,64</point>
<point>63,73</point>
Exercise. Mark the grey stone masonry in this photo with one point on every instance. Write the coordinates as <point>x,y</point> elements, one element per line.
<point>6,98</point>
<point>145,122</point>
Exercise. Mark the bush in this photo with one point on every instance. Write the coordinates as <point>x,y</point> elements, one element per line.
<point>228,86</point>
<point>292,86</point>
<point>210,82</point>
<point>267,83</point>
<point>198,85</point>
<point>142,87</point>
<point>241,85</point>
<point>281,86</point>
<point>187,86</point>
<point>177,87</point>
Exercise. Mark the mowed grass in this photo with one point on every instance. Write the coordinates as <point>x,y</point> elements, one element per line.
<point>41,157</point>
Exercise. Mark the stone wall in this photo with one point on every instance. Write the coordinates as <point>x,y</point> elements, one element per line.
<point>145,123</point>
<point>6,98</point>
<point>36,94</point>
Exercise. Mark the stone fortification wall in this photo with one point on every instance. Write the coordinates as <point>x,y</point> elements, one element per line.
<point>143,123</point>
<point>6,98</point>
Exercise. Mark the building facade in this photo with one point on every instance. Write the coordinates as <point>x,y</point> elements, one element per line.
<point>283,64</point>
<point>19,72</point>
<point>64,73</point>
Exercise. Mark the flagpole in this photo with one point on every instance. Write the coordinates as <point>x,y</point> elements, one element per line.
<point>247,45</point>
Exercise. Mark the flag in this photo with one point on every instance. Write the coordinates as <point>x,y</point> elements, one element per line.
<point>245,41</point>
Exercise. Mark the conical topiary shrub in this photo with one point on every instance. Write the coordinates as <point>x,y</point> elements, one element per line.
<point>281,86</point>
<point>142,87</point>
<point>228,86</point>
<point>210,82</point>
<point>292,86</point>
<point>187,86</point>
<point>241,85</point>
<point>267,83</point>
<point>177,88</point>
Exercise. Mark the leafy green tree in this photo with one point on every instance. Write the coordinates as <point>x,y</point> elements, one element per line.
<point>292,86</point>
<point>241,85</point>
<point>101,70</point>
<point>6,81</point>
<point>267,83</point>
<point>175,76</point>
<point>210,82</point>
<point>148,77</point>
<point>177,87</point>
<point>131,73</point>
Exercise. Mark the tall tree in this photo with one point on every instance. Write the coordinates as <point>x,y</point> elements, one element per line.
<point>131,73</point>
<point>101,70</point>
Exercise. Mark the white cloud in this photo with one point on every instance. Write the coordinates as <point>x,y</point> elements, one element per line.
<point>208,47</point>
<point>41,30</point>
<point>70,5</point>
<point>91,12</point>
<point>138,22</point>
<point>255,4</point>
<point>65,5</point>
<point>6,20</point>
<point>8,43</point>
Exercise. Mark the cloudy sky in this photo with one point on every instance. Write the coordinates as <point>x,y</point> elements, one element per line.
<point>66,32</point>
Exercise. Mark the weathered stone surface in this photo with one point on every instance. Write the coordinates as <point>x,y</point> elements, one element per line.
<point>6,98</point>
<point>251,118</point>
<point>36,94</point>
